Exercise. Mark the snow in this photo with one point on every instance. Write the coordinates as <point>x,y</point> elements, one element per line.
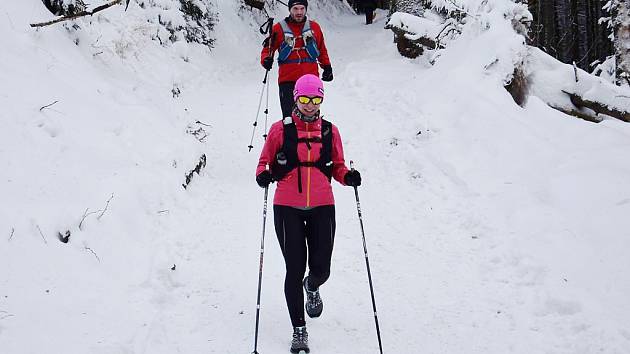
<point>419,26</point>
<point>549,78</point>
<point>491,228</point>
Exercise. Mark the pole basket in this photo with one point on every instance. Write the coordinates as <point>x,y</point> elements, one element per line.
<point>259,4</point>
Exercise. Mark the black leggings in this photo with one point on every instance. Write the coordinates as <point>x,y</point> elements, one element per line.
<point>304,234</point>
<point>286,97</point>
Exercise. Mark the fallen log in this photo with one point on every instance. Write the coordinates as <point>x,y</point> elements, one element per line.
<point>79,14</point>
<point>573,91</point>
<point>578,113</point>
<point>598,107</point>
<point>413,34</point>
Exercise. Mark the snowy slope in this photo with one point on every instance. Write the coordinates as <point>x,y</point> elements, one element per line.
<point>491,228</point>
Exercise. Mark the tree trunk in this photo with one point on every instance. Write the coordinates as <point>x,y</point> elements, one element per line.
<point>621,28</point>
<point>565,30</point>
<point>548,20</point>
<point>582,34</point>
<point>570,30</point>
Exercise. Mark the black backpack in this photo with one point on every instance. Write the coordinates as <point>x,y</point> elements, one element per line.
<point>287,157</point>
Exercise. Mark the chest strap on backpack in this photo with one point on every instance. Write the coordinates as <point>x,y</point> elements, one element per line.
<point>287,158</point>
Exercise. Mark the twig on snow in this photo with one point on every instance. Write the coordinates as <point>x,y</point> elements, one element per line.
<point>101,211</point>
<point>94,253</point>
<point>48,105</point>
<point>207,125</point>
<point>12,231</point>
<point>106,205</point>
<point>85,215</point>
<point>41,233</point>
<point>4,314</point>
<point>10,21</point>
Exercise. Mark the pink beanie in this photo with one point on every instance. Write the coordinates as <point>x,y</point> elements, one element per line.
<point>308,85</point>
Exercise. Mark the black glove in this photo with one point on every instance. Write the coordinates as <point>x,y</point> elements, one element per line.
<point>267,63</point>
<point>264,178</point>
<point>327,74</point>
<point>352,178</point>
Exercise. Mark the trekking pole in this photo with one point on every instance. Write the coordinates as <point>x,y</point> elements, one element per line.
<point>265,85</point>
<point>367,264</point>
<point>260,269</point>
<point>265,82</point>
<point>266,111</point>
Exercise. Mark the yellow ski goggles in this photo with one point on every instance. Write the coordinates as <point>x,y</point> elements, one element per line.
<point>306,100</point>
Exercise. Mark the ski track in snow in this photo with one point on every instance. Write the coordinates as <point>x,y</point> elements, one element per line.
<point>484,232</point>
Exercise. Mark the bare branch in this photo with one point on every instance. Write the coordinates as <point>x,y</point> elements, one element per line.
<point>41,233</point>
<point>4,314</point>
<point>77,15</point>
<point>12,231</point>
<point>48,105</point>
<point>198,122</point>
<point>10,21</point>
<point>106,205</point>
<point>101,211</point>
<point>94,253</point>
<point>85,214</point>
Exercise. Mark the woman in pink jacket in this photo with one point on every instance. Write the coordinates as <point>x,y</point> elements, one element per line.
<point>303,153</point>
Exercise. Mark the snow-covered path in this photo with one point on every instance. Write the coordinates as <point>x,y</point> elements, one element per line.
<point>451,273</point>
<point>490,228</point>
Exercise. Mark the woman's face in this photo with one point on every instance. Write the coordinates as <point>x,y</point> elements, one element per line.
<point>308,106</point>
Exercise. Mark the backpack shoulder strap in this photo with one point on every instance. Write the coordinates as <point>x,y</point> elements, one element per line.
<point>290,140</point>
<point>286,29</point>
<point>325,155</point>
<point>287,43</point>
<point>309,42</point>
<point>306,30</point>
<point>286,157</point>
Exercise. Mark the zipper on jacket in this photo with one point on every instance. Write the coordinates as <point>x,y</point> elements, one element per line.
<point>308,169</point>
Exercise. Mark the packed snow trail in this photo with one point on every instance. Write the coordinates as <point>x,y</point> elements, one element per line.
<point>485,233</point>
<point>447,275</point>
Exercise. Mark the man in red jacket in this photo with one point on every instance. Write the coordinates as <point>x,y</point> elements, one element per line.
<point>300,46</point>
<point>304,153</point>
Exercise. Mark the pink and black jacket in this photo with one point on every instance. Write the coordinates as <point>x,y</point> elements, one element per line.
<point>307,185</point>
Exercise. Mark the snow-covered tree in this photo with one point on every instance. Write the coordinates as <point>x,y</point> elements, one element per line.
<point>64,7</point>
<point>619,22</point>
<point>413,7</point>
